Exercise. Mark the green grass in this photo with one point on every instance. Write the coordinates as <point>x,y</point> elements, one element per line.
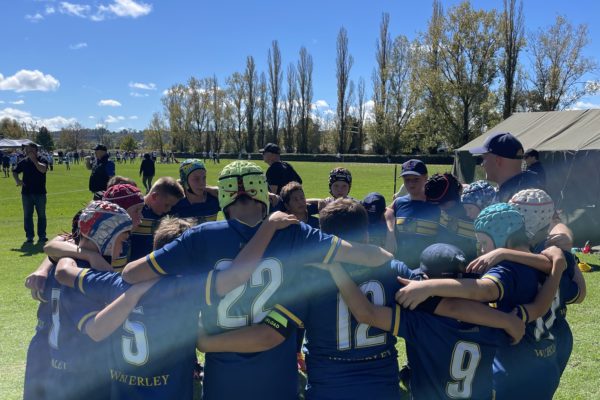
<point>67,192</point>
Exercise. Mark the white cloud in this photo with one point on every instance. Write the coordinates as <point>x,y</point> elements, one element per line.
<point>321,104</point>
<point>582,105</point>
<point>91,117</point>
<point>50,10</point>
<point>53,123</point>
<point>37,17</point>
<point>136,94</point>
<point>127,8</point>
<point>133,117</point>
<point>142,86</point>
<point>18,102</point>
<point>76,10</point>
<point>109,103</point>
<point>78,46</point>
<point>1,101</point>
<point>26,80</point>
<point>111,119</point>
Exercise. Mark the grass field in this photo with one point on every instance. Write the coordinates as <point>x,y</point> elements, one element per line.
<point>67,192</point>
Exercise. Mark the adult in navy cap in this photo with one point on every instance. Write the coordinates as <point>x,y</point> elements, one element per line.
<point>502,155</point>
<point>102,170</point>
<point>279,173</point>
<point>532,159</point>
<point>412,223</point>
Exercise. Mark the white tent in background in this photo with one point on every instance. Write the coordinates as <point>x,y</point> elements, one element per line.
<point>14,143</point>
<point>569,147</point>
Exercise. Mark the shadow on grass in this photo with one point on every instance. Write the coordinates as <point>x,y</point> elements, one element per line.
<point>29,249</point>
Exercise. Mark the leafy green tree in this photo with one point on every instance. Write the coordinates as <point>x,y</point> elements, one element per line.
<point>44,139</point>
<point>128,143</point>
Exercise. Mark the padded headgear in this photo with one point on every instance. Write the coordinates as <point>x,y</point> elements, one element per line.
<point>499,221</point>
<point>537,209</point>
<point>123,195</point>
<point>186,168</point>
<point>242,178</point>
<point>441,188</point>
<point>340,174</point>
<point>441,260</point>
<point>479,193</point>
<point>101,222</point>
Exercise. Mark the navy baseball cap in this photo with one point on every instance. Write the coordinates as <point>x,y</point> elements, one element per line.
<point>502,144</point>
<point>271,148</point>
<point>100,147</point>
<point>414,167</point>
<point>374,203</point>
<point>441,260</point>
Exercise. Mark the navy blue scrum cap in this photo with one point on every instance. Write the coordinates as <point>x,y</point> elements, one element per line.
<point>502,144</point>
<point>374,203</point>
<point>441,260</point>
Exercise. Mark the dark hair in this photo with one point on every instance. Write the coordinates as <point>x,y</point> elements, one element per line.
<point>345,218</point>
<point>169,229</point>
<point>118,179</point>
<point>442,188</point>
<point>287,190</point>
<point>168,186</point>
<point>518,238</point>
<point>532,153</point>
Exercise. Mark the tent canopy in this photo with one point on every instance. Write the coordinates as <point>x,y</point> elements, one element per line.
<point>569,147</point>
<point>14,143</point>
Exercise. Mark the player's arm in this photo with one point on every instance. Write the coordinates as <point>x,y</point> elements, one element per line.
<point>114,314</point>
<point>481,314</point>
<point>37,279</point>
<point>415,292</point>
<point>250,339</point>
<point>249,258</point>
<point>545,296</point>
<point>362,309</point>
<point>59,247</point>
<point>390,223</point>
<point>66,272</point>
<point>212,190</point>
<point>486,261</point>
<point>367,255</point>
<point>138,271</point>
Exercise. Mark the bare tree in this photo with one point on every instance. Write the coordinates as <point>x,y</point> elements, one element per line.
<point>174,103</point>
<point>305,89</point>
<point>559,65</point>
<point>275,78</point>
<point>344,61</point>
<point>383,52</point>
<point>360,116</point>
<point>237,95</point>
<point>198,109</point>
<point>263,97</point>
<point>291,101</point>
<point>512,27</point>
<point>250,79</point>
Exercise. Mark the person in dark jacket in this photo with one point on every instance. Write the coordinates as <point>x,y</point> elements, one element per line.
<point>532,159</point>
<point>33,191</point>
<point>102,170</point>
<point>279,173</point>
<point>147,171</point>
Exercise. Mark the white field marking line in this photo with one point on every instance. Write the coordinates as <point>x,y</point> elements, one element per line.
<point>48,194</point>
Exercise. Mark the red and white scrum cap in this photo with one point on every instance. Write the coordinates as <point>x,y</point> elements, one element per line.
<point>537,209</point>
<point>123,195</point>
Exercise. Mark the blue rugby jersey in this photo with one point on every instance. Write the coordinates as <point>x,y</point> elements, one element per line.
<point>345,359</point>
<point>529,368</point>
<point>448,359</point>
<point>153,353</point>
<point>203,212</point>
<point>457,229</point>
<point>142,236</point>
<point>78,365</point>
<point>417,226</point>
<point>37,366</point>
<point>214,245</point>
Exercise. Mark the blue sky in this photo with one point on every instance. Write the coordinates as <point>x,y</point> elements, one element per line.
<point>109,61</point>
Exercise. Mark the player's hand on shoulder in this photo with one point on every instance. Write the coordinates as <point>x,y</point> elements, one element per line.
<point>556,255</point>
<point>483,263</point>
<point>412,294</point>
<point>561,240</point>
<point>281,220</point>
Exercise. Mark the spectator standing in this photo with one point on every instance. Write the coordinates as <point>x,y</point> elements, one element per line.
<point>502,155</point>
<point>147,171</point>
<point>102,170</point>
<point>532,159</point>
<point>5,164</point>
<point>33,191</point>
<point>279,172</point>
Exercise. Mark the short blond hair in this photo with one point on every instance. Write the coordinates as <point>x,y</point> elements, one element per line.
<point>169,187</point>
<point>170,228</point>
